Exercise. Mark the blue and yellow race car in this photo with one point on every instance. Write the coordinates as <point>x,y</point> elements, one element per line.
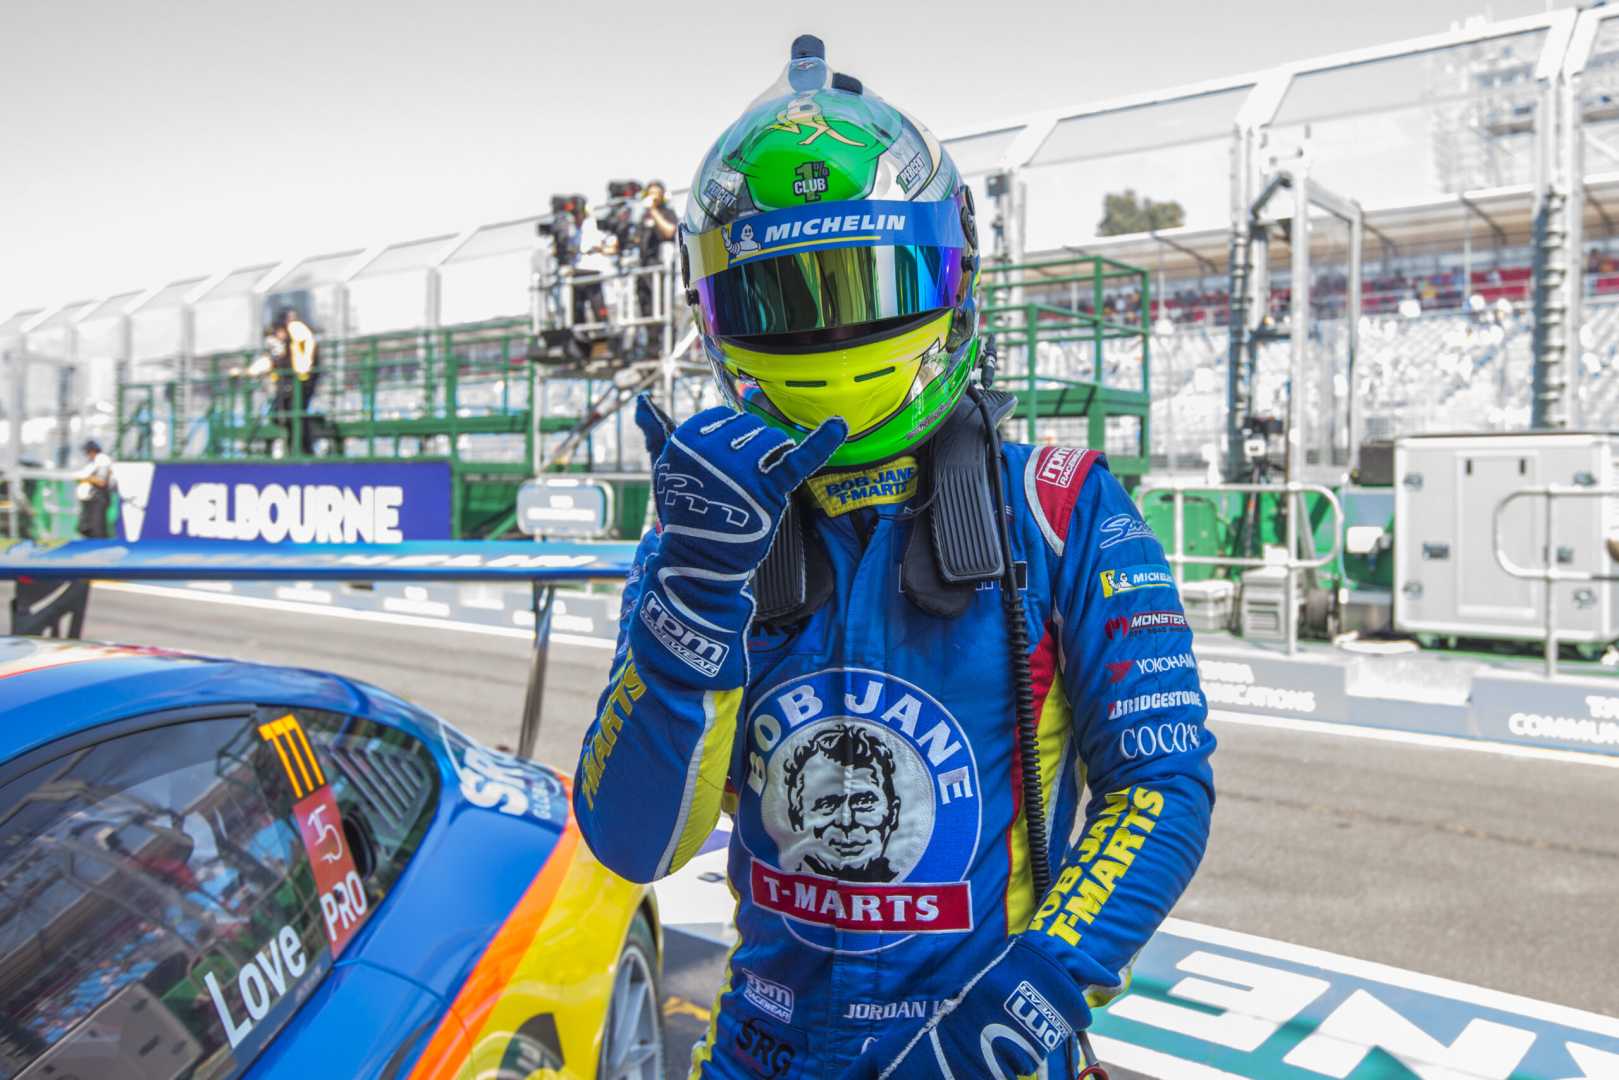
<point>211,868</point>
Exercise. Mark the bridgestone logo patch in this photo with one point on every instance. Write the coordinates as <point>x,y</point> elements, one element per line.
<point>1167,699</point>
<point>702,654</point>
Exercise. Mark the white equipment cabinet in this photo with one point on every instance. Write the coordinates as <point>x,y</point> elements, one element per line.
<point>1446,578</point>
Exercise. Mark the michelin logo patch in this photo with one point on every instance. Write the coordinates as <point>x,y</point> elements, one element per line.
<point>1135,578</point>
<point>700,653</point>
<point>815,225</point>
<point>840,492</point>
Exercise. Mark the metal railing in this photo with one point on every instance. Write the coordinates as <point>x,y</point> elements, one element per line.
<point>1293,564</point>
<point>1093,311</point>
<point>374,391</point>
<point>39,504</point>
<point>1549,574</point>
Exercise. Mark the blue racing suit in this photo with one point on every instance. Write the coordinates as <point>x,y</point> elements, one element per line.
<point>869,757</point>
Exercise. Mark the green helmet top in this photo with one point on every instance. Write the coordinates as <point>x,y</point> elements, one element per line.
<point>854,291</point>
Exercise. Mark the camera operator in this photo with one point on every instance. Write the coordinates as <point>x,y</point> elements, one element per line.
<point>592,263</point>
<point>658,227</point>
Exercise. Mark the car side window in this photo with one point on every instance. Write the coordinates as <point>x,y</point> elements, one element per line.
<point>168,898</point>
<point>384,787</point>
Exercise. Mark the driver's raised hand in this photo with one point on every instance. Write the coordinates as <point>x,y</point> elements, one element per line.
<point>721,482</point>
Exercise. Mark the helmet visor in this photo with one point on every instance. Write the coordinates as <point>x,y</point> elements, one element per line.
<point>811,268</point>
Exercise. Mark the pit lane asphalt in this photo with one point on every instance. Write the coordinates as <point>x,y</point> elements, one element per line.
<point>1497,871</point>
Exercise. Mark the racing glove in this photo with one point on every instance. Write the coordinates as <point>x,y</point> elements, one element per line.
<point>720,482</point>
<point>1022,1009</point>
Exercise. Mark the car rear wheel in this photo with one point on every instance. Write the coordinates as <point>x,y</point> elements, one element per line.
<point>632,1042</point>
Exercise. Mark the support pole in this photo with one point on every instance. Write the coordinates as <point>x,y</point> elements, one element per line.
<point>1357,237</point>
<point>1236,400</point>
<point>14,371</point>
<point>534,697</point>
<point>1299,340</point>
<point>1549,407</point>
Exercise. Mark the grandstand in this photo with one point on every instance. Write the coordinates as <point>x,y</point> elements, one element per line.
<point>1484,159</point>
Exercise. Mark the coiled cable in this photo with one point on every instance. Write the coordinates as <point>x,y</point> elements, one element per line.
<point>1017,633</point>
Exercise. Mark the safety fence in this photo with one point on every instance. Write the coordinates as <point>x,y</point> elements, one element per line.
<point>1550,574</point>
<point>1291,564</point>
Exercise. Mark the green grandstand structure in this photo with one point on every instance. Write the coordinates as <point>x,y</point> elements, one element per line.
<point>493,402</point>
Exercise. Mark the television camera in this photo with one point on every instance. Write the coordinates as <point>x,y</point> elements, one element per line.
<point>620,216</point>
<point>560,226</point>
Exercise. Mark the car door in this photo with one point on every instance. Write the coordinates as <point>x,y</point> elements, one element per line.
<point>174,889</point>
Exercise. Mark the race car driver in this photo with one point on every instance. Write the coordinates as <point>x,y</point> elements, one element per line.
<point>901,655</point>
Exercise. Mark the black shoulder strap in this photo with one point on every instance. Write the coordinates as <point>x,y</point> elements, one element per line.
<point>796,577</point>
<point>956,543</point>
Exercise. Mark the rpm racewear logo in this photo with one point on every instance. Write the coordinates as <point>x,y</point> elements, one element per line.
<point>861,809</point>
<point>702,654</point>
<point>1135,578</point>
<point>1038,1017</point>
<point>768,996</point>
<point>688,493</point>
<point>1060,465</point>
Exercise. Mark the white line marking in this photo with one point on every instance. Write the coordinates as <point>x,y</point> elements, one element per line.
<point>348,613</point>
<point>1418,738</point>
<point>1154,1062</point>
<point>1393,976</point>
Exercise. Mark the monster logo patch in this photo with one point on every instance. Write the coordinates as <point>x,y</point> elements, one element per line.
<point>861,808</point>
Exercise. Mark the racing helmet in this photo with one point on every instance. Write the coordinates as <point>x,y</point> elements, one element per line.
<point>830,252</point>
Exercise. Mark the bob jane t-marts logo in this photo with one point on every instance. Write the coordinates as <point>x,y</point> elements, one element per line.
<point>840,492</point>
<point>861,809</point>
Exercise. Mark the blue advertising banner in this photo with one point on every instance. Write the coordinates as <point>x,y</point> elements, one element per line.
<point>318,502</point>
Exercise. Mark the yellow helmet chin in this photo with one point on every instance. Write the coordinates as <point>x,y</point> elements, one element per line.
<point>863,383</point>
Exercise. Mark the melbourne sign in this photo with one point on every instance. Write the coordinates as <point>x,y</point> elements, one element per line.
<point>309,503</point>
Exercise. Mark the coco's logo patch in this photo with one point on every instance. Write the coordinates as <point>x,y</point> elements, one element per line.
<point>861,808</point>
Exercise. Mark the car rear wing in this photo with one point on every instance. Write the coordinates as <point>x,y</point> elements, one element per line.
<point>53,580</point>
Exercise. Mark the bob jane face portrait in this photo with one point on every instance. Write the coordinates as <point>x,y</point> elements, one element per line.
<point>842,803</point>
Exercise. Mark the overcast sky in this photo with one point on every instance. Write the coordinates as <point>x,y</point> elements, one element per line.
<point>142,142</point>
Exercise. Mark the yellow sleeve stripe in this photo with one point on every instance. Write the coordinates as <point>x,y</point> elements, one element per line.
<point>705,782</point>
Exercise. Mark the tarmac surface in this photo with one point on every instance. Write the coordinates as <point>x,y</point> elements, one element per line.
<point>1495,870</point>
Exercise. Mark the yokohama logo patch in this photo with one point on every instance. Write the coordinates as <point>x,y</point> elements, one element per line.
<point>1052,483</point>
<point>907,909</point>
